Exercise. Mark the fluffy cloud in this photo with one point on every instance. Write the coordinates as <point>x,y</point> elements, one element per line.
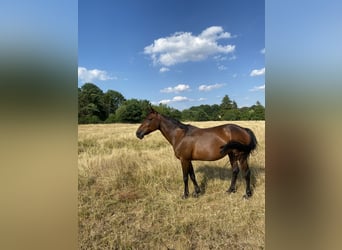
<point>164,69</point>
<point>176,89</point>
<point>257,72</point>
<point>175,99</point>
<point>210,87</point>
<point>258,88</point>
<point>86,75</point>
<point>184,46</point>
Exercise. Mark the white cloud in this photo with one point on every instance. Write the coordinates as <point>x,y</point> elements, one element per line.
<point>220,58</point>
<point>258,88</point>
<point>257,72</point>
<point>164,69</point>
<point>180,99</point>
<point>184,46</point>
<point>175,99</point>
<point>165,101</point>
<point>210,87</point>
<point>90,75</point>
<point>202,99</point>
<point>222,67</point>
<point>176,89</point>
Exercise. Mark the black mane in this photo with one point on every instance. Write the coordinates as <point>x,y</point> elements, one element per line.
<point>178,123</point>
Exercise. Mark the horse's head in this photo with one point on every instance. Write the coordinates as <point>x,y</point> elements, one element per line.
<point>150,124</point>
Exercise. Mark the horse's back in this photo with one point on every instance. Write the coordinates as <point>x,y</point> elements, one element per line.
<point>230,132</point>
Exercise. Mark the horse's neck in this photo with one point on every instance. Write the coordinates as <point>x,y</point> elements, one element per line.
<point>169,131</point>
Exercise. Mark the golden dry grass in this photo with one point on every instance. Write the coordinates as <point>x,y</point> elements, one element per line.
<point>130,194</point>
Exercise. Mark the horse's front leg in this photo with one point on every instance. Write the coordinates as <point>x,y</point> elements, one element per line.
<point>185,168</point>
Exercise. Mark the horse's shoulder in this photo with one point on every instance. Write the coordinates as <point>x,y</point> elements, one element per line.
<point>190,129</point>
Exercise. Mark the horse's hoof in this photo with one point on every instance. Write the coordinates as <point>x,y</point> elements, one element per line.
<point>247,195</point>
<point>231,190</point>
<point>185,196</point>
<point>195,194</point>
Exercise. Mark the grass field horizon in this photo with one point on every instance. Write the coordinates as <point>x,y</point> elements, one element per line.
<point>130,194</point>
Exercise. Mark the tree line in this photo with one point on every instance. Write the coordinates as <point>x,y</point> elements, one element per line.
<point>95,106</point>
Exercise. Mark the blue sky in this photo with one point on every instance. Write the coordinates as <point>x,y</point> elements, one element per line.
<point>181,53</point>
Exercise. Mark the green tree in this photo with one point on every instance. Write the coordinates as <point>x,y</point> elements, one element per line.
<point>231,115</point>
<point>175,113</point>
<point>132,111</point>
<point>258,112</point>
<point>168,111</point>
<point>234,105</point>
<point>214,112</point>
<point>89,114</point>
<point>90,101</point>
<point>111,118</point>
<point>245,113</point>
<point>228,109</point>
<point>226,104</point>
<point>188,115</point>
<point>112,100</point>
<point>145,108</point>
<point>201,115</point>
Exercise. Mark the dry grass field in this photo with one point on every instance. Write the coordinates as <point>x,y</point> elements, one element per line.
<point>130,194</point>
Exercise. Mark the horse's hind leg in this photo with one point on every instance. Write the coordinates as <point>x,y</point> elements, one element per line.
<point>193,178</point>
<point>247,175</point>
<point>235,168</point>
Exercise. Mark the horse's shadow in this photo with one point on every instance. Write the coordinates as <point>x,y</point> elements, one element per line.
<point>225,173</point>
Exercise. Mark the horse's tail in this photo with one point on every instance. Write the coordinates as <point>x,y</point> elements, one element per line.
<point>246,148</point>
<point>254,143</point>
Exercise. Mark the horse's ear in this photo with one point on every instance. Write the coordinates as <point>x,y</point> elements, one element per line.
<point>152,110</point>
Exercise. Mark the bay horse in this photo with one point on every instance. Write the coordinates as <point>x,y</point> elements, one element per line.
<point>204,144</point>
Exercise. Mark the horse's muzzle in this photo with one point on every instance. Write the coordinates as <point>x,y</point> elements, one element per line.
<point>140,134</point>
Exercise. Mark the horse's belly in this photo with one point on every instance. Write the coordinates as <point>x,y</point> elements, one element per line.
<point>207,151</point>
<point>207,158</point>
<point>207,147</point>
